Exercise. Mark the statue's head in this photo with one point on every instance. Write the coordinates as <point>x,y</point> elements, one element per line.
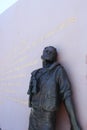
<point>49,54</point>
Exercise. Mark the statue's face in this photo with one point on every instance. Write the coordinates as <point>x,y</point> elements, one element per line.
<point>49,54</point>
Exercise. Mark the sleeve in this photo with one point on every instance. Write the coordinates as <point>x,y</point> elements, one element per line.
<point>30,86</point>
<point>64,83</point>
<point>33,83</point>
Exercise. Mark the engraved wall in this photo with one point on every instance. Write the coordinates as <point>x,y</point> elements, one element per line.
<point>25,29</point>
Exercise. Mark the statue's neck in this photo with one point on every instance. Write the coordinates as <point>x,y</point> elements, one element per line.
<point>47,64</point>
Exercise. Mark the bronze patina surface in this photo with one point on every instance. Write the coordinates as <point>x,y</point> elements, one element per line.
<point>49,86</point>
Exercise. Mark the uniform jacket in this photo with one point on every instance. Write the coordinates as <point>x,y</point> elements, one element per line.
<point>48,87</point>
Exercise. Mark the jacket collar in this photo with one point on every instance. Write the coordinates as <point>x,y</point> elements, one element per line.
<point>53,66</point>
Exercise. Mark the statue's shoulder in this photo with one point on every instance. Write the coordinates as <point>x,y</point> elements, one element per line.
<point>33,73</point>
<point>60,68</point>
<point>61,71</point>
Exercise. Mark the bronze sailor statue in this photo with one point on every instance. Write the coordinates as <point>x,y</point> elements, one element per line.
<point>49,86</point>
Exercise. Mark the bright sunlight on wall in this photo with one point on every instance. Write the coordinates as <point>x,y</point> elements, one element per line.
<point>5,4</point>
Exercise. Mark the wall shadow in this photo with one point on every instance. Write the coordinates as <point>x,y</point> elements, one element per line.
<point>62,122</point>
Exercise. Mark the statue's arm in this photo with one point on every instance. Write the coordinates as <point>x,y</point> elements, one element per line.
<point>32,86</point>
<point>71,114</point>
<point>29,92</point>
<point>65,94</point>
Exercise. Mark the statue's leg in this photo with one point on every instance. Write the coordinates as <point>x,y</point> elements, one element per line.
<point>42,120</point>
<point>33,124</point>
<point>47,127</point>
<point>47,121</point>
